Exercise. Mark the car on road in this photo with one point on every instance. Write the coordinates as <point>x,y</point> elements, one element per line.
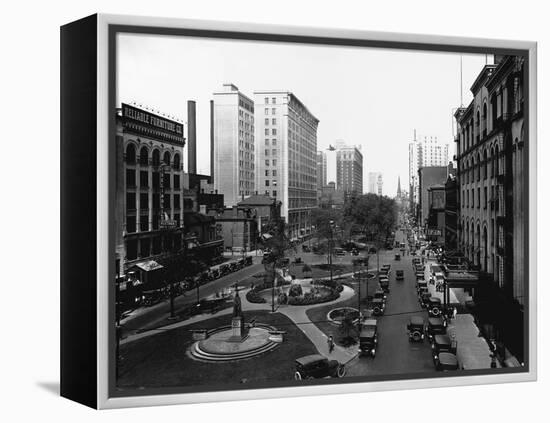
<point>339,252</point>
<point>385,268</point>
<point>446,362</point>
<point>397,257</point>
<point>441,344</point>
<point>378,306</point>
<point>384,284</point>
<point>415,329</point>
<point>424,298</point>
<point>399,275</point>
<point>317,366</point>
<point>368,337</point>
<point>435,326</point>
<point>379,293</point>
<point>434,307</point>
<point>416,261</point>
<point>421,285</point>
<point>306,249</point>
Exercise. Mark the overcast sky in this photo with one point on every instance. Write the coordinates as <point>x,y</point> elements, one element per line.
<point>374,98</point>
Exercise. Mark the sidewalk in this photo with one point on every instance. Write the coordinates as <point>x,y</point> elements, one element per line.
<point>473,352</point>
<point>295,313</point>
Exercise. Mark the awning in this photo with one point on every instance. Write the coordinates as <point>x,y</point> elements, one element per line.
<point>462,279</point>
<point>149,265</point>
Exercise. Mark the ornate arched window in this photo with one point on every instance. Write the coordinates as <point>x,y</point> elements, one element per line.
<point>144,156</point>
<point>156,158</point>
<point>176,161</point>
<point>166,158</point>
<point>130,153</point>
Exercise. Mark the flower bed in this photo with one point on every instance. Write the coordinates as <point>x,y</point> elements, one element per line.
<point>252,296</point>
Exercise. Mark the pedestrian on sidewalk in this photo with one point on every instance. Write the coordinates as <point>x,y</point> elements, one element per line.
<point>455,311</point>
<point>330,343</point>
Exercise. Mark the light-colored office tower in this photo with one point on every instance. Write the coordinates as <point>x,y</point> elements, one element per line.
<point>321,169</point>
<point>379,184</point>
<point>234,153</point>
<point>349,169</point>
<point>426,152</point>
<point>286,159</point>
<point>371,182</point>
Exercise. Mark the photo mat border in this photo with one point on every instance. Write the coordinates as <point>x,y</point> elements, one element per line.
<point>111,25</point>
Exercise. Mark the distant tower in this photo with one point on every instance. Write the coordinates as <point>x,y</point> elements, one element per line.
<point>399,187</point>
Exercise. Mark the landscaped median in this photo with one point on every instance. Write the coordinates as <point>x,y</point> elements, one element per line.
<point>162,360</point>
<point>298,293</point>
<point>319,315</point>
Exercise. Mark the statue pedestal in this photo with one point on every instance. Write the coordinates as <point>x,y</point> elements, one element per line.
<point>239,332</point>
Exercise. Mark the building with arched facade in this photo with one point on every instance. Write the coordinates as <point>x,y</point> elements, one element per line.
<point>149,200</point>
<point>491,186</point>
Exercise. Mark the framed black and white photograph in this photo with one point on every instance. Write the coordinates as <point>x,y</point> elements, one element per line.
<point>281,211</point>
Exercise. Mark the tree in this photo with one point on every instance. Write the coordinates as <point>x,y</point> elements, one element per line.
<point>326,222</point>
<point>306,269</point>
<point>347,326</point>
<point>376,215</point>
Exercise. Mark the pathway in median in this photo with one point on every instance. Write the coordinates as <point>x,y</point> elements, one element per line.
<point>295,313</point>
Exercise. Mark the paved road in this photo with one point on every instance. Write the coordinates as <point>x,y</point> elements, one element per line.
<point>395,354</point>
<point>149,315</point>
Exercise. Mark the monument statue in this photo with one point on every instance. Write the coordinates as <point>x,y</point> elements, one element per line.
<point>240,330</point>
<point>237,307</point>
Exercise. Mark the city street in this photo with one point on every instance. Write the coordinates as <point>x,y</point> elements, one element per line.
<point>395,354</point>
<point>144,317</point>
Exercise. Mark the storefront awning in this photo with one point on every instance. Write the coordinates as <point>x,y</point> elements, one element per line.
<point>149,265</point>
<point>462,279</point>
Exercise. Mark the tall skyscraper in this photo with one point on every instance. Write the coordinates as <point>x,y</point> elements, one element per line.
<point>321,169</point>
<point>286,159</point>
<point>427,152</point>
<point>379,184</point>
<point>233,155</point>
<point>349,169</point>
<point>398,187</point>
<point>372,180</point>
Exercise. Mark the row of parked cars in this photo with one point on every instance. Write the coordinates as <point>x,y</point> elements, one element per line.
<point>435,328</point>
<point>443,346</point>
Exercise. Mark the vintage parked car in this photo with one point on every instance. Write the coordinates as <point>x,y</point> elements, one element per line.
<point>306,249</point>
<point>397,257</point>
<point>424,298</point>
<point>415,328</point>
<point>339,252</point>
<point>435,326</point>
<point>379,293</point>
<point>446,362</point>
<point>416,261</point>
<point>385,268</point>
<point>399,275</point>
<point>248,261</point>
<point>441,344</point>
<point>434,307</point>
<point>385,285</point>
<point>421,285</point>
<point>225,269</point>
<point>419,276</point>
<point>368,338</point>
<point>317,366</point>
<point>378,306</point>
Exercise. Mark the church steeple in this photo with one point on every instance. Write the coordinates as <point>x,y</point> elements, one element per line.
<point>399,186</point>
